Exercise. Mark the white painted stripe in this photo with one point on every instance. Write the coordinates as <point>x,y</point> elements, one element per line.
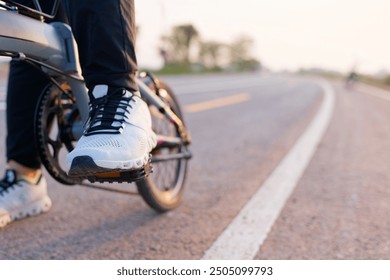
<point>2,106</point>
<point>243,238</point>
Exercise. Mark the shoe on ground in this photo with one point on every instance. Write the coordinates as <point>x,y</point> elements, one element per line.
<point>118,134</point>
<point>20,199</point>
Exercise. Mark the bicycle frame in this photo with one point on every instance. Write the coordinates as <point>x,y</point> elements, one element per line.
<point>52,46</point>
<point>38,10</point>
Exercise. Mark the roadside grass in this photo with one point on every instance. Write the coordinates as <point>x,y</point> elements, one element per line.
<point>380,82</point>
<point>178,69</point>
<point>383,83</point>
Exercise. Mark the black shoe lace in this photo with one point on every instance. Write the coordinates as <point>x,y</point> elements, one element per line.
<point>5,185</point>
<point>104,112</point>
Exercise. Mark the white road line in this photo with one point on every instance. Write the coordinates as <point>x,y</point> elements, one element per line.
<point>243,238</point>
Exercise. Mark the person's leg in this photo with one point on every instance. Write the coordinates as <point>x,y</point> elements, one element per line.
<point>23,190</point>
<point>26,83</point>
<point>118,135</point>
<point>105,33</point>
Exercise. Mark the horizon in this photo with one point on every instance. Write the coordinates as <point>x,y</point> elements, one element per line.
<point>332,35</point>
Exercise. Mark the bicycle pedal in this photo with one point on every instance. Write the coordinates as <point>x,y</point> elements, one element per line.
<point>125,176</point>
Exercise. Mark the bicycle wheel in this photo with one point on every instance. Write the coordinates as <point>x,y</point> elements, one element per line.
<point>55,114</point>
<point>163,188</point>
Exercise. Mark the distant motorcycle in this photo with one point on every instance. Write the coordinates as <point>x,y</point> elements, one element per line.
<point>351,80</point>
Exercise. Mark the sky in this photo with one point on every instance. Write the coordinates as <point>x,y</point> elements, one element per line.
<point>288,34</point>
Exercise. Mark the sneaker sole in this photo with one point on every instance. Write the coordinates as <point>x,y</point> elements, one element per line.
<point>33,209</point>
<point>83,166</point>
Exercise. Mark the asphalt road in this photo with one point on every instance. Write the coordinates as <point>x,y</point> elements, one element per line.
<point>243,126</point>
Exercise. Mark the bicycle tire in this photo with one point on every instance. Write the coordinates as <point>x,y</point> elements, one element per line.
<point>160,194</point>
<point>165,194</point>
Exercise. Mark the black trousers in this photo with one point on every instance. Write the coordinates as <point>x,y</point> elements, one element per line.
<point>105,34</point>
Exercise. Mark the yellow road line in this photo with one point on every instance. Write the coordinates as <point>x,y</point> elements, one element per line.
<point>216,103</point>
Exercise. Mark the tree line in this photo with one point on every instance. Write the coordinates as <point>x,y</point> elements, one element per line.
<point>184,48</point>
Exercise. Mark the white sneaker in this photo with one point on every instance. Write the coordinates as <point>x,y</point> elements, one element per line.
<point>20,199</point>
<point>118,134</point>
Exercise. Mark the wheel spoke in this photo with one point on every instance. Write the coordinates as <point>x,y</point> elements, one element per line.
<point>56,146</point>
<point>163,188</point>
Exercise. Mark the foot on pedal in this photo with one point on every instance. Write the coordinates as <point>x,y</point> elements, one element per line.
<point>118,135</point>
<point>85,168</point>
